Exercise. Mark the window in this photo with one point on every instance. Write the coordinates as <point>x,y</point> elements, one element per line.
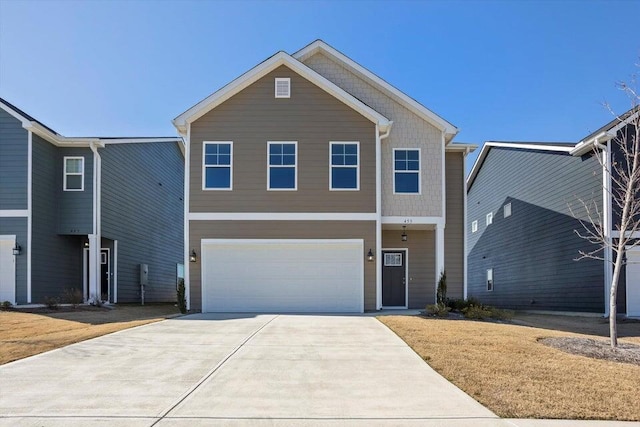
<point>344,174</point>
<point>283,87</point>
<point>217,161</point>
<point>406,171</point>
<point>73,174</point>
<point>507,210</point>
<point>393,260</point>
<point>282,161</point>
<point>474,226</point>
<point>490,218</point>
<point>490,279</point>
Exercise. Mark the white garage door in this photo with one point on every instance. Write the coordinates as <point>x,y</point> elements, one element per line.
<point>633,282</point>
<point>282,275</point>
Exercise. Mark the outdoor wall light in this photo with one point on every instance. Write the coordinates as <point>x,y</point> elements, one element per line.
<point>193,257</point>
<point>86,244</point>
<point>370,256</point>
<point>17,249</point>
<point>404,233</point>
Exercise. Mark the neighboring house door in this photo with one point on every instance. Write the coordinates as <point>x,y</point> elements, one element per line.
<point>394,278</point>
<point>7,269</point>
<point>633,282</point>
<point>105,271</point>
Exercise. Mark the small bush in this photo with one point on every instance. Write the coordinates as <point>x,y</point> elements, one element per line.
<point>483,312</point>
<point>73,297</point>
<point>461,304</point>
<point>439,310</point>
<point>441,293</point>
<point>51,302</point>
<point>5,305</point>
<point>182,302</point>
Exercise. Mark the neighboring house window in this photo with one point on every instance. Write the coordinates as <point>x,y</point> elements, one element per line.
<point>73,174</point>
<point>282,161</point>
<point>217,165</point>
<point>474,226</point>
<point>406,171</point>
<point>345,166</point>
<point>283,87</point>
<point>490,218</point>
<point>507,210</point>
<point>490,279</point>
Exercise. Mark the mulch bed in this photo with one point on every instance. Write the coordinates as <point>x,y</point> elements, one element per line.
<point>598,349</point>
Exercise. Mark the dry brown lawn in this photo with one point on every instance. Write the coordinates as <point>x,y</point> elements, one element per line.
<point>505,368</point>
<point>24,334</point>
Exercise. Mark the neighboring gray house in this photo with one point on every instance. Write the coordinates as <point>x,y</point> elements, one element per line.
<point>522,243</point>
<point>84,213</point>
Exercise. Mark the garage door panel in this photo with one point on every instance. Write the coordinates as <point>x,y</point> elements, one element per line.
<point>283,276</point>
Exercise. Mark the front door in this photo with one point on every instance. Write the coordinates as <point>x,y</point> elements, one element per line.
<point>104,274</point>
<point>633,282</point>
<point>394,280</point>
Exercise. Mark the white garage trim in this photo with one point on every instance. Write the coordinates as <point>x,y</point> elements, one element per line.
<point>353,248</point>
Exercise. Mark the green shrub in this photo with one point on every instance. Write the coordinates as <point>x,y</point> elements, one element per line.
<point>5,305</point>
<point>461,304</point>
<point>439,310</point>
<point>182,302</point>
<point>441,293</point>
<point>51,302</point>
<point>73,297</point>
<point>476,312</point>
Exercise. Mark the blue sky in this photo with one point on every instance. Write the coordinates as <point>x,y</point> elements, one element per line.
<point>499,70</point>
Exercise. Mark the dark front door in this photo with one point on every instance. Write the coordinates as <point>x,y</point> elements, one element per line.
<point>104,273</point>
<point>393,278</point>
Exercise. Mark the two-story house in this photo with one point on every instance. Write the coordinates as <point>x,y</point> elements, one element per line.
<point>311,184</point>
<point>525,212</point>
<point>84,213</point>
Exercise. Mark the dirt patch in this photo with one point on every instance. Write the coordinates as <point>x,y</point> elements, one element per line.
<point>624,353</point>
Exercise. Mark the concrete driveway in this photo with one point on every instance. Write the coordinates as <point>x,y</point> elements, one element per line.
<point>236,370</point>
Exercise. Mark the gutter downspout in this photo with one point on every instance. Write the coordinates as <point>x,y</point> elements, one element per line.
<point>95,238</point>
<point>379,138</point>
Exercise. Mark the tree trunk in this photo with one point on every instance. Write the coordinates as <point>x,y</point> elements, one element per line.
<point>613,306</point>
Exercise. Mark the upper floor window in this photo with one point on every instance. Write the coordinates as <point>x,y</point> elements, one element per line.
<point>507,210</point>
<point>490,218</point>
<point>282,163</point>
<point>73,174</point>
<point>217,165</point>
<point>283,87</point>
<point>474,226</point>
<point>345,164</point>
<point>406,171</point>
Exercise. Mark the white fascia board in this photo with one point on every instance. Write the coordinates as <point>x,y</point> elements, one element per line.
<point>489,144</point>
<point>281,216</point>
<point>413,220</point>
<point>59,140</point>
<point>466,148</point>
<point>14,213</point>
<point>413,105</point>
<point>108,141</point>
<point>251,76</point>
<point>15,114</point>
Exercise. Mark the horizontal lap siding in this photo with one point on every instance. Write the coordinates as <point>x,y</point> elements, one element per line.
<point>421,247</point>
<point>454,230</point>
<point>13,163</point>
<point>142,208</point>
<point>75,208</point>
<point>18,227</point>
<point>533,251</point>
<point>365,230</point>
<point>311,117</point>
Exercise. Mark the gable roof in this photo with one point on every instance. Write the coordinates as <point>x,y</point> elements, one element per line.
<point>391,91</point>
<point>606,132</point>
<point>262,69</point>
<point>562,147</point>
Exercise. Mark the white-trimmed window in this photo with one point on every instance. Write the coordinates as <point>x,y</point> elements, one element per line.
<point>507,210</point>
<point>490,279</point>
<point>344,167</point>
<point>474,226</point>
<point>217,165</point>
<point>73,174</point>
<point>282,165</point>
<point>283,87</point>
<point>406,171</point>
<point>490,218</point>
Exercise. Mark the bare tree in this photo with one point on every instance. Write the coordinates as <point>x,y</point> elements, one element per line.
<point>622,168</point>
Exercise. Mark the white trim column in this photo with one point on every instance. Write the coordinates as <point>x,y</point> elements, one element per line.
<point>29,210</point>
<point>608,223</point>
<point>439,252</point>
<point>187,239</point>
<point>378,252</point>
<point>94,267</point>
<point>114,273</point>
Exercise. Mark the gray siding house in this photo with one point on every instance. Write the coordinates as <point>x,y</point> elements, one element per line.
<point>84,213</point>
<point>524,210</point>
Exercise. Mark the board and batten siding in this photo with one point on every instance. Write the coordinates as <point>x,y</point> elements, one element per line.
<point>142,208</point>
<point>454,229</point>
<point>56,260</point>
<point>13,163</point>
<point>311,117</point>
<point>75,208</point>
<point>421,245</point>
<point>18,227</point>
<point>365,230</point>
<point>533,251</point>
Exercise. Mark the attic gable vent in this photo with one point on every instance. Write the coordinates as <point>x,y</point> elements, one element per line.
<point>283,87</point>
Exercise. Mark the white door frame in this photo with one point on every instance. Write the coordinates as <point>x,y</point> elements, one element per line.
<point>636,310</point>
<point>406,276</point>
<point>11,238</point>
<point>85,284</point>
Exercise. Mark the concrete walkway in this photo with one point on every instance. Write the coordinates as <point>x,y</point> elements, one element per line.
<point>239,370</point>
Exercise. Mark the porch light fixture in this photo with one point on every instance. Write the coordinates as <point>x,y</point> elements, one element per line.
<point>193,257</point>
<point>17,249</point>
<point>370,256</point>
<point>86,244</point>
<point>404,233</point>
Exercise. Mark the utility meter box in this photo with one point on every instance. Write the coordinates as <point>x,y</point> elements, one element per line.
<point>144,274</point>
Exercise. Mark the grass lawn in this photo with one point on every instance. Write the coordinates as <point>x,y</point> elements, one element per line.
<point>506,369</point>
<point>25,333</point>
